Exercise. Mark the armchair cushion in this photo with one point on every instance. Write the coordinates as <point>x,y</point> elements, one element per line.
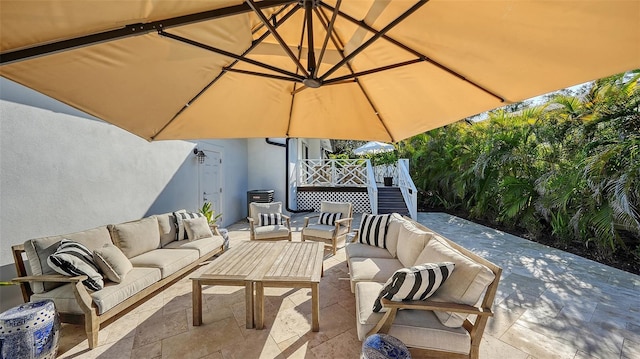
<point>269,219</point>
<point>266,232</point>
<point>74,259</point>
<point>345,208</point>
<point>373,230</point>
<point>329,218</point>
<point>415,283</point>
<point>323,230</point>
<point>255,208</point>
<point>465,285</point>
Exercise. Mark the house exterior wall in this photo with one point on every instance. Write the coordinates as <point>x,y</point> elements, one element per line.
<point>267,167</point>
<point>63,171</point>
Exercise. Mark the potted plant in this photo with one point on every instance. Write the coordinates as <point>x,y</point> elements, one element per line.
<point>388,160</point>
<point>209,214</point>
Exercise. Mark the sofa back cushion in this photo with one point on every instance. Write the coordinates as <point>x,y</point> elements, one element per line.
<point>411,242</point>
<point>167,228</point>
<point>393,230</point>
<point>465,285</point>
<point>39,249</point>
<point>137,237</point>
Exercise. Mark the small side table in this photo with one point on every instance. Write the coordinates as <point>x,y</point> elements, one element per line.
<point>384,346</point>
<point>30,330</point>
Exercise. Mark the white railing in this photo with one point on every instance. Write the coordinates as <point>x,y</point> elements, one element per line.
<point>408,189</point>
<point>372,189</point>
<point>337,172</point>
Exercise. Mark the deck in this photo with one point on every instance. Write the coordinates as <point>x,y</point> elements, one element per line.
<point>550,304</point>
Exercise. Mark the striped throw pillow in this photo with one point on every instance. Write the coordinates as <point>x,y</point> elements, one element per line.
<point>415,283</point>
<point>73,259</point>
<point>373,230</point>
<point>329,218</point>
<point>269,219</point>
<point>181,232</point>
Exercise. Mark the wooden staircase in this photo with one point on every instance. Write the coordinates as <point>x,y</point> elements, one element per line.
<point>390,200</point>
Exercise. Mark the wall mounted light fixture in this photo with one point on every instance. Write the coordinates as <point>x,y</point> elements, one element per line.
<point>200,155</point>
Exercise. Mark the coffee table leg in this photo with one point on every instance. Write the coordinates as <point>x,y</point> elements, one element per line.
<point>315,308</point>
<point>248,295</point>
<point>197,302</point>
<point>259,305</point>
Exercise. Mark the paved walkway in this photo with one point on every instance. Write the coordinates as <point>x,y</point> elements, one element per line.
<point>550,304</point>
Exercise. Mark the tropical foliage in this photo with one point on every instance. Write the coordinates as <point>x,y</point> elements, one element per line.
<point>569,167</point>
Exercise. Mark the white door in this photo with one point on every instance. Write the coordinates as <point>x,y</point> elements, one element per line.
<point>210,183</point>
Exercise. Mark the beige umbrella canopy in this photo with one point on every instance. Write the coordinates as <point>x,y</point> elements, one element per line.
<point>363,70</point>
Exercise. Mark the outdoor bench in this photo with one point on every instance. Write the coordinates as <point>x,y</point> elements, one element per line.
<point>148,247</point>
<point>438,326</point>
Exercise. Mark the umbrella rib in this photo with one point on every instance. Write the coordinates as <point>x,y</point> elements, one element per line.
<point>277,36</point>
<point>340,46</point>
<point>253,46</point>
<point>131,30</point>
<point>261,74</point>
<point>375,37</point>
<point>416,53</point>
<point>329,32</point>
<point>230,54</point>
<point>372,71</point>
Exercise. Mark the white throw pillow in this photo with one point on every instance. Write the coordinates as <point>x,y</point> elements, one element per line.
<point>113,263</point>
<point>197,228</point>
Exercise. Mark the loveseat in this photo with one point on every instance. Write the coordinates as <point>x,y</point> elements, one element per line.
<point>385,253</point>
<point>135,260</point>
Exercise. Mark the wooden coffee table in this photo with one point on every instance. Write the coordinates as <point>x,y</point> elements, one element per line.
<point>264,264</point>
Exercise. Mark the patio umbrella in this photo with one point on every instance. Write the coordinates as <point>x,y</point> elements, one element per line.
<point>373,147</point>
<point>363,70</point>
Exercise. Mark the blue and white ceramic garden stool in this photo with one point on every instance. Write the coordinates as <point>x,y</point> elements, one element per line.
<point>30,331</point>
<point>384,346</point>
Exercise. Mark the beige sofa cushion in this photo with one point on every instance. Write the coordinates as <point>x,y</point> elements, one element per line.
<point>393,231</point>
<point>136,237</point>
<point>415,328</point>
<point>108,297</point>
<point>411,242</point>
<point>372,269</point>
<point>203,246</point>
<point>167,228</point>
<point>168,261</point>
<point>466,283</point>
<point>39,249</point>
<point>361,250</point>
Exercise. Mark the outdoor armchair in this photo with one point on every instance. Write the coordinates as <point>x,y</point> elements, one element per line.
<point>327,229</point>
<point>266,221</point>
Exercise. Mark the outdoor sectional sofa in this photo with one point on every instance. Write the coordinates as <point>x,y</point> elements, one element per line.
<point>439,325</point>
<point>154,259</point>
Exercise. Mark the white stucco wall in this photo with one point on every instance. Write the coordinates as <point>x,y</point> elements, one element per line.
<point>267,168</point>
<point>61,172</point>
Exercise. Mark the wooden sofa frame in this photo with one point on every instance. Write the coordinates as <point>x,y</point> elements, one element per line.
<point>475,329</point>
<point>91,319</point>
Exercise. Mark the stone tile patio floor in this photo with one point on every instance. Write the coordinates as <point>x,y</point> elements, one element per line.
<point>550,304</point>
